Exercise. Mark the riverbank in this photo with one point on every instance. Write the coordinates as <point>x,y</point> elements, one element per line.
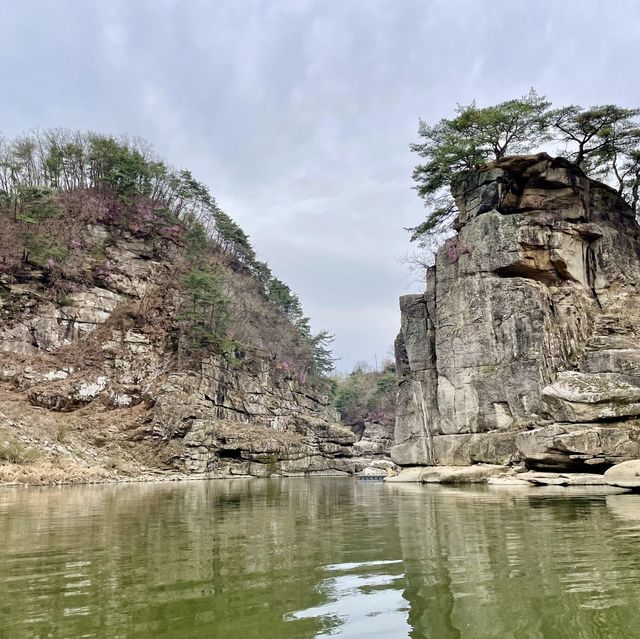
<point>95,444</point>
<point>496,475</point>
<point>64,472</point>
<point>58,471</point>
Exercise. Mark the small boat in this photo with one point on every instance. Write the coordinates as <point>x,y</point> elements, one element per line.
<point>372,477</point>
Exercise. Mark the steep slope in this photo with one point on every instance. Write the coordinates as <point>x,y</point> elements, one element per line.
<point>526,344</point>
<point>139,333</point>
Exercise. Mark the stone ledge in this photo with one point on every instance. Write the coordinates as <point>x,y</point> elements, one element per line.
<point>477,474</point>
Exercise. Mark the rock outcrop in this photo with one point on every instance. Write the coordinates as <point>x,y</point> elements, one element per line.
<point>85,361</point>
<point>526,343</point>
<point>374,438</point>
<point>252,420</point>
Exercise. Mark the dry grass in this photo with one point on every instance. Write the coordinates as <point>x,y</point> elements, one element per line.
<point>14,452</point>
<point>38,446</point>
<point>54,470</point>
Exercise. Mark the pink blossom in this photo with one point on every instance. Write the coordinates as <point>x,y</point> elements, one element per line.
<point>452,252</point>
<point>463,249</point>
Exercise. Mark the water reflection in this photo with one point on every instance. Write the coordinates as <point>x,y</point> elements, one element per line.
<point>363,600</point>
<point>524,564</point>
<point>317,558</point>
<point>625,508</point>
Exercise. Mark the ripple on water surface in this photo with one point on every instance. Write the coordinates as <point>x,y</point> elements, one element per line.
<point>317,558</point>
<point>362,600</point>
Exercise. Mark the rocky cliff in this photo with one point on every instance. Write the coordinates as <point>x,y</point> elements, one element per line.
<point>93,381</point>
<point>526,344</point>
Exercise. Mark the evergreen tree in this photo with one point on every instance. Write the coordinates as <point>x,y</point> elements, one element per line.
<point>603,141</point>
<point>473,137</point>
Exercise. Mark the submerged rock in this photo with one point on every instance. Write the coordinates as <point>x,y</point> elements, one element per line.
<point>562,479</point>
<point>526,344</point>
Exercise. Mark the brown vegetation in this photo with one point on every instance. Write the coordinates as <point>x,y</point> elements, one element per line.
<point>67,199</point>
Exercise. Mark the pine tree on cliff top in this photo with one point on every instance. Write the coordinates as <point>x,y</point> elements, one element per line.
<point>603,141</point>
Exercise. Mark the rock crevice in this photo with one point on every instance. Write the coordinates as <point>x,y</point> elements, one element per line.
<point>525,345</point>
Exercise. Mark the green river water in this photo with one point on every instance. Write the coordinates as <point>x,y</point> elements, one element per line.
<point>296,558</point>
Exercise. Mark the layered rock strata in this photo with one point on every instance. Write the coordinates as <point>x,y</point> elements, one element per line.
<point>373,438</point>
<point>526,344</point>
<point>83,356</point>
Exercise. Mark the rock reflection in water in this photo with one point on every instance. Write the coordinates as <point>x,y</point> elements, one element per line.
<point>298,559</point>
<point>523,564</point>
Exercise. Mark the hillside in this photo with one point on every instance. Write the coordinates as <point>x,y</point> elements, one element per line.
<point>366,402</point>
<point>139,333</point>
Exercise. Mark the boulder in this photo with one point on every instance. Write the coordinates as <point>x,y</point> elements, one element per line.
<point>477,474</point>
<point>578,446</point>
<point>408,475</point>
<point>591,397</point>
<point>624,475</point>
<point>69,394</point>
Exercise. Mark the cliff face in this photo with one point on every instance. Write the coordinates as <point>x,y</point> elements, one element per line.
<point>526,344</point>
<point>83,378</point>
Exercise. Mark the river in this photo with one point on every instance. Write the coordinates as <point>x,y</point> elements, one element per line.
<point>297,558</point>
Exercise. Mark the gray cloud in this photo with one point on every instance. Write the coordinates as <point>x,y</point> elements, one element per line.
<point>298,114</point>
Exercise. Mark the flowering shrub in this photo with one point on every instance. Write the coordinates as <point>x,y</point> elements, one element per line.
<point>455,249</point>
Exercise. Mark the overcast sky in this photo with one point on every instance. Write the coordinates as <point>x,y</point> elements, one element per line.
<point>298,113</point>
